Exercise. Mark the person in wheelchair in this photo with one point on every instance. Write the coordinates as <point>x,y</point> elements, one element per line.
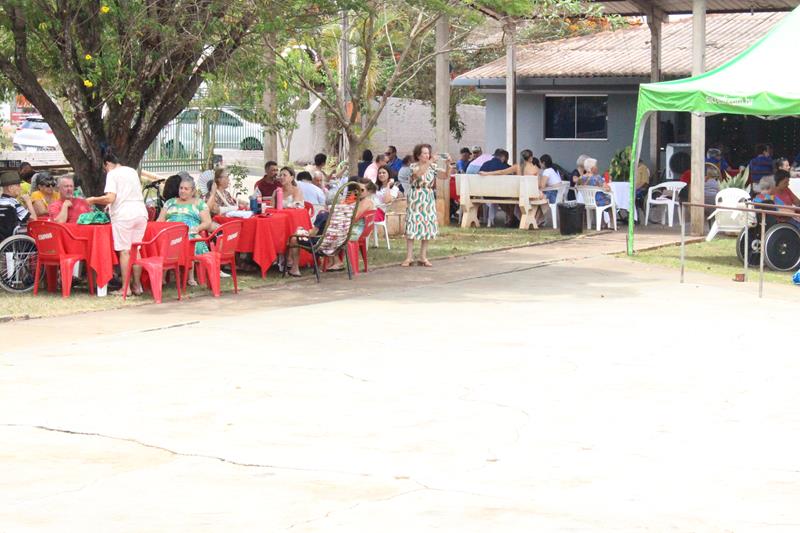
<point>770,194</point>
<point>10,182</point>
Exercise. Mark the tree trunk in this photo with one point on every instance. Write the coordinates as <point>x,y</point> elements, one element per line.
<point>353,155</point>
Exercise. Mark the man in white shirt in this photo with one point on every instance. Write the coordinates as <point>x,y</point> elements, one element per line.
<point>311,192</point>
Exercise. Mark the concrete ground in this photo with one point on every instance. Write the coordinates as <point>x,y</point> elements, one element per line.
<point>550,388</point>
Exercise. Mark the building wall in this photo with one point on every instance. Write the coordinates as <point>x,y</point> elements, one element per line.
<point>403,123</point>
<point>530,129</point>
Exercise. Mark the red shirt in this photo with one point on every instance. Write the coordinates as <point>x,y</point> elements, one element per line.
<point>266,189</point>
<point>787,196</point>
<point>79,207</point>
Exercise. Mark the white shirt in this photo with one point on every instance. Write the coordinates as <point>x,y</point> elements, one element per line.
<point>553,177</point>
<point>311,193</point>
<point>379,196</point>
<point>129,203</point>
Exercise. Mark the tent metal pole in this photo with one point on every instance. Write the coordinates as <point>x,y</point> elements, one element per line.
<point>683,241</point>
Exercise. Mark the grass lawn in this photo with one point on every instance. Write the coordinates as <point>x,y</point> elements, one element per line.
<point>717,257</point>
<point>452,242</point>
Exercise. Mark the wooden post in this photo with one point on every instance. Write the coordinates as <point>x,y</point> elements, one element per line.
<point>654,20</point>
<point>698,121</point>
<point>511,92</point>
<point>442,115</point>
<point>344,76</point>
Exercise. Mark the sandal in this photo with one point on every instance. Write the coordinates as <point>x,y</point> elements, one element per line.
<point>425,263</point>
<point>406,263</point>
<point>294,275</point>
<point>336,269</point>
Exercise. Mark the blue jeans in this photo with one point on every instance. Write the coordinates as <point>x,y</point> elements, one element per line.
<point>551,196</point>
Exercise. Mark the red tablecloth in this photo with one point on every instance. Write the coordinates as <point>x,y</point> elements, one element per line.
<point>101,253</point>
<point>265,236</point>
<point>102,256</point>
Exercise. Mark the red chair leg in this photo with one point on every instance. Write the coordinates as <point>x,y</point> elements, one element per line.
<point>363,247</point>
<point>233,275</point>
<point>178,281</point>
<point>156,275</point>
<point>65,266</point>
<point>36,279</point>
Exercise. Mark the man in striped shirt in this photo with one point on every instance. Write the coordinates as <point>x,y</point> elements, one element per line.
<point>10,182</point>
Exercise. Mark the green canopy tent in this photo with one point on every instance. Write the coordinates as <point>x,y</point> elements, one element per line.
<point>756,82</point>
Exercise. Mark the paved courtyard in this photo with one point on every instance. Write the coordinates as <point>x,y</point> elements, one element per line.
<point>504,392</point>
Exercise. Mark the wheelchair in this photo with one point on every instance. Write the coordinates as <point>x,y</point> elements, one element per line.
<point>17,254</point>
<point>781,245</point>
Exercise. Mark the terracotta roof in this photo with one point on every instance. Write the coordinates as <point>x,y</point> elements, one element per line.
<point>634,7</point>
<point>626,52</point>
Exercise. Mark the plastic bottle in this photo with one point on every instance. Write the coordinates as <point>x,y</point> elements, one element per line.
<point>254,207</point>
<point>278,198</point>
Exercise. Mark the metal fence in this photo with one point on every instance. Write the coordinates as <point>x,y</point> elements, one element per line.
<point>188,142</point>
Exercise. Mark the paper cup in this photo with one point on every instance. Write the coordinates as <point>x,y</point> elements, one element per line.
<point>102,291</point>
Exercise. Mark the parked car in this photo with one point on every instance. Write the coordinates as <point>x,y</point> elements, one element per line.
<point>35,135</point>
<point>183,137</point>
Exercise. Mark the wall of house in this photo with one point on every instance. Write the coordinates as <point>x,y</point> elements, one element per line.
<point>403,123</point>
<point>530,129</point>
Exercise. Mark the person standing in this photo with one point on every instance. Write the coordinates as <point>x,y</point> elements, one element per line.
<point>123,196</point>
<point>421,224</point>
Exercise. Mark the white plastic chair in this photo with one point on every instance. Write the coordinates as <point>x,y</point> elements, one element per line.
<point>729,221</point>
<point>381,224</point>
<point>671,202</point>
<point>561,191</point>
<point>589,195</point>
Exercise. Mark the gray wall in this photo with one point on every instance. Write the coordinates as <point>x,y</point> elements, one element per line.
<point>530,129</point>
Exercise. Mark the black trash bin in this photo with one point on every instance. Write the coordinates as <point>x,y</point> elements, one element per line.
<point>570,217</point>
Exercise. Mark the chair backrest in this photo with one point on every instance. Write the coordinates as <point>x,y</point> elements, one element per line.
<point>369,224</point>
<point>170,243</point>
<point>563,187</point>
<point>310,208</point>
<point>49,239</point>
<point>589,194</point>
<point>340,222</point>
<point>227,238</point>
<point>731,220</point>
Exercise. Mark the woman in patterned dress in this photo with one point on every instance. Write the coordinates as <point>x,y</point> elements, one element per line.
<point>421,224</point>
<point>191,211</point>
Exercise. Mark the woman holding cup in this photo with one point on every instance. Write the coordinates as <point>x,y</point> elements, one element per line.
<point>421,223</point>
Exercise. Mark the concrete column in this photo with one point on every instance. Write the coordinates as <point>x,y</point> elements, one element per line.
<point>698,122</point>
<point>511,92</point>
<point>654,20</point>
<point>443,113</point>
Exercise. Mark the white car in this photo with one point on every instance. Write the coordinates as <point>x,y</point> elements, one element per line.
<point>183,136</point>
<point>35,135</point>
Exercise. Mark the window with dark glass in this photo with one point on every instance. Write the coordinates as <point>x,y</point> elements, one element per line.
<point>576,117</point>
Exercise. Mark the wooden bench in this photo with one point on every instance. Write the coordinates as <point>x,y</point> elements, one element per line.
<point>522,191</point>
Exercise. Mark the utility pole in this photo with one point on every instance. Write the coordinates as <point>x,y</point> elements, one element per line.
<point>344,76</point>
<point>511,91</point>
<point>443,112</point>
<point>269,103</point>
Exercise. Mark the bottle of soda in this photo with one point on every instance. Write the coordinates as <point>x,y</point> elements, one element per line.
<point>254,206</point>
<point>278,198</point>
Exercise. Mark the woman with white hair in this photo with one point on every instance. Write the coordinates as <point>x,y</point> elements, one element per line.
<point>192,211</point>
<point>592,178</point>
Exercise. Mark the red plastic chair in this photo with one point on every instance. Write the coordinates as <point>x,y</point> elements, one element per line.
<point>310,208</point>
<point>222,243</point>
<point>52,242</point>
<point>169,244</point>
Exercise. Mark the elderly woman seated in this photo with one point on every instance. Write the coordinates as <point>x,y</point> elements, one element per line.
<point>45,193</point>
<point>770,188</point>
<point>219,200</point>
<point>192,211</point>
<point>366,189</point>
<point>593,178</point>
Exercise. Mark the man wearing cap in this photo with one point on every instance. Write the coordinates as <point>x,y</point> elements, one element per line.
<point>68,208</point>
<point>10,182</point>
